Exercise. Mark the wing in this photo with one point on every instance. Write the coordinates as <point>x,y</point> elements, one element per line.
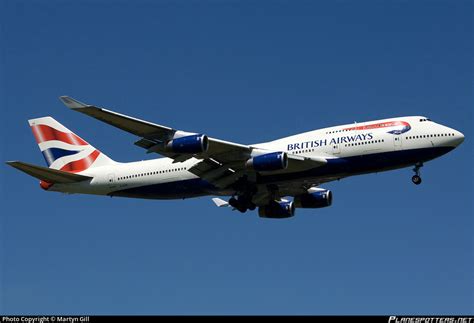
<point>222,164</point>
<point>154,135</point>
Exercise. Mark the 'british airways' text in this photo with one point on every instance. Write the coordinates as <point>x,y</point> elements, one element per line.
<point>333,141</point>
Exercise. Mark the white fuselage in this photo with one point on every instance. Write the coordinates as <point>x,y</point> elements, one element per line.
<point>350,149</point>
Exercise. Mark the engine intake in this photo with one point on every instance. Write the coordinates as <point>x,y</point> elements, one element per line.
<point>268,162</point>
<point>277,210</point>
<point>193,144</point>
<point>312,200</point>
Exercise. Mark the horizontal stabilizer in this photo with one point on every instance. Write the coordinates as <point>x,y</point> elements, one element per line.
<point>48,174</point>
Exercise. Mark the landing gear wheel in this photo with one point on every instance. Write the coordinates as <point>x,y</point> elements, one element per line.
<point>233,202</point>
<point>416,179</point>
<point>241,208</point>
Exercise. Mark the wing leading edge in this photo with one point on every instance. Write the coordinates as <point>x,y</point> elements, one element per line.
<point>222,164</point>
<point>153,134</point>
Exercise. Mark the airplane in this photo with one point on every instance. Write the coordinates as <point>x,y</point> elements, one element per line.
<point>254,176</point>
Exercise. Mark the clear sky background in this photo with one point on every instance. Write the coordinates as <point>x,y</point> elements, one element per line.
<point>246,71</point>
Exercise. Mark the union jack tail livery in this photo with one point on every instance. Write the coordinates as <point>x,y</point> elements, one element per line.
<point>64,150</point>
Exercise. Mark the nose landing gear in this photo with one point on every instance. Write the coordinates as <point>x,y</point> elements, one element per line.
<point>416,179</point>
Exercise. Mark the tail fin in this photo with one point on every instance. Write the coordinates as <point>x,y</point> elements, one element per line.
<point>64,150</point>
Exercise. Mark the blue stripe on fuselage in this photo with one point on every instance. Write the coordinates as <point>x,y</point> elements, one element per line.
<point>336,167</point>
<point>363,164</point>
<point>172,190</point>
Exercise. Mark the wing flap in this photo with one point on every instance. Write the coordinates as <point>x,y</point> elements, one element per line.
<point>220,202</point>
<point>48,174</point>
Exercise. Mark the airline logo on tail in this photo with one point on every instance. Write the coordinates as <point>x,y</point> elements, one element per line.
<point>61,148</point>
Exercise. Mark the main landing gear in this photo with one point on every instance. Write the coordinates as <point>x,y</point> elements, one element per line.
<point>416,179</point>
<point>242,203</point>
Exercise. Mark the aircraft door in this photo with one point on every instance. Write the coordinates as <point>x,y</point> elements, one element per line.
<point>111,180</point>
<point>397,142</point>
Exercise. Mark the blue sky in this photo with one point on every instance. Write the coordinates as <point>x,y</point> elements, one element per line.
<point>246,71</point>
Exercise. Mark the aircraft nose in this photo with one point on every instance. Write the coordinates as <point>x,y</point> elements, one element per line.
<point>458,138</point>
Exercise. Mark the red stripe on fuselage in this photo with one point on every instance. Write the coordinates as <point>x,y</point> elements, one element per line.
<point>380,125</point>
<point>44,133</point>
<point>81,164</point>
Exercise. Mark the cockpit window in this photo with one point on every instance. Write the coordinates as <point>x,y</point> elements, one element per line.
<point>425,119</point>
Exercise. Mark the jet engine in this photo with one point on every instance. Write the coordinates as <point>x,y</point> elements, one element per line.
<point>192,144</point>
<point>277,210</point>
<point>315,198</point>
<point>268,162</point>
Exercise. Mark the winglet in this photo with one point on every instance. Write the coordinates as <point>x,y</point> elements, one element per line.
<point>220,202</point>
<point>72,103</point>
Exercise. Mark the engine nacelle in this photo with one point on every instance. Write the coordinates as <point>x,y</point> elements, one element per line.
<point>193,144</point>
<point>314,199</point>
<point>268,162</point>
<point>277,210</point>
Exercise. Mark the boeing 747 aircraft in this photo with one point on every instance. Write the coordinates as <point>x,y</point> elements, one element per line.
<point>261,175</point>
